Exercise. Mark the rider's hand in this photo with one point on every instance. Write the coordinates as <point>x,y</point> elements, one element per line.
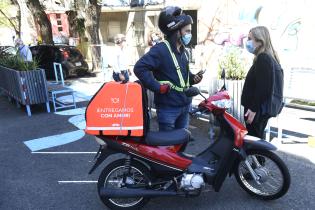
<point>121,77</point>
<point>197,78</point>
<point>250,116</point>
<point>165,88</point>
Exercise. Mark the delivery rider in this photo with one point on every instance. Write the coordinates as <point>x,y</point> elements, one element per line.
<point>165,70</point>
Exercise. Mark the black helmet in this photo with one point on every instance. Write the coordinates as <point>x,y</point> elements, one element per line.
<point>172,18</point>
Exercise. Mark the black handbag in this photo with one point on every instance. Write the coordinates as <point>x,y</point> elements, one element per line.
<point>274,105</point>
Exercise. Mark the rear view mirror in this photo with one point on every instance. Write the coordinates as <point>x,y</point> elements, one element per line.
<point>223,74</point>
<point>223,77</point>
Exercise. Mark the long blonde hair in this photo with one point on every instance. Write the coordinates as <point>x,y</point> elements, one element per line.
<point>261,34</point>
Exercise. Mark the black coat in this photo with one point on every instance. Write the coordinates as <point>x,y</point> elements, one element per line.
<point>258,86</point>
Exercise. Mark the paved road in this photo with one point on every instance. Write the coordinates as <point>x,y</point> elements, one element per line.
<point>36,181</point>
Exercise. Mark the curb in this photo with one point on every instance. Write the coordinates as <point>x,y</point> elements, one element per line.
<point>302,107</point>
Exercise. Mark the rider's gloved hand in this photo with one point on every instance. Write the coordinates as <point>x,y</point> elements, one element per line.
<point>165,88</point>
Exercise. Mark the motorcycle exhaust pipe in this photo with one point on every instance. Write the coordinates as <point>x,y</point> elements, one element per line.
<point>131,193</point>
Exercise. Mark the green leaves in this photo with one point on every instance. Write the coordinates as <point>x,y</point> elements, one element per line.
<point>16,63</point>
<point>234,63</point>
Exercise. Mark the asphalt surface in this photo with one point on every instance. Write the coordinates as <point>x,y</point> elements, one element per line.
<point>37,181</point>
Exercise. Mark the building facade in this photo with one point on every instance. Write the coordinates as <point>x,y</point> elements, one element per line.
<point>138,21</point>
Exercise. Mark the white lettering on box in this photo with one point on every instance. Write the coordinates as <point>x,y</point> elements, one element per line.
<point>115,110</point>
<point>106,115</point>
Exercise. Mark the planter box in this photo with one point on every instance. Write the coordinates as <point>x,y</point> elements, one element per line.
<point>26,87</point>
<point>234,88</point>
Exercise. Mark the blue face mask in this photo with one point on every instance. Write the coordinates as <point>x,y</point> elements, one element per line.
<point>186,39</point>
<point>250,46</point>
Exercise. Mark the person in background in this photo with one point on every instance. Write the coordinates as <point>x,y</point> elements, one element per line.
<point>260,81</point>
<point>120,60</point>
<point>165,70</point>
<point>153,39</point>
<point>24,51</point>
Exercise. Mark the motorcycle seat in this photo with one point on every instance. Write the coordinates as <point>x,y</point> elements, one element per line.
<point>167,138</point>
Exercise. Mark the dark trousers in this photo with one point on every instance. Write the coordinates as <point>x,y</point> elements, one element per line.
<point>257,127</point>
<point>124,72</point>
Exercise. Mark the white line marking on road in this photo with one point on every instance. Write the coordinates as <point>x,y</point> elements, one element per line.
<point>78,121</point>
<point>64,152</point>
<point>53,141</point>
<point>76,111</point>
<point>76,182</point>
<point>78,98</point>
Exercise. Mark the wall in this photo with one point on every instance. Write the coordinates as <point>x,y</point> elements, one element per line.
<point>219,18</point>
<point>59,26</point>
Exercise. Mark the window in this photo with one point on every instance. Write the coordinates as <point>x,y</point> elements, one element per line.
<point>58,16</point>
<point>59,28</point>
<point>59,22</point>
<point>113,28</point>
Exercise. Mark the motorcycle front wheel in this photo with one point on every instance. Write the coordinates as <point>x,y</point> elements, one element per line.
<point>117,176</point>
<point>273,175</point>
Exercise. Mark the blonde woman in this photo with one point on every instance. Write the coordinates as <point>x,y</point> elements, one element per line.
<point>263,85</point>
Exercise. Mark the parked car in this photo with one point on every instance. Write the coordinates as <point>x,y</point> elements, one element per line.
<point>7,50</point>
<point>71,59</point>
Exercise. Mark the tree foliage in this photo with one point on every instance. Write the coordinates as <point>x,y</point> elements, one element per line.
<point>17,63</point>
<point>7,18</point>
<point>234,63</point>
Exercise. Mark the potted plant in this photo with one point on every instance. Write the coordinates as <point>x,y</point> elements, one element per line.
<point>23,81</point>
<point>236,64</point>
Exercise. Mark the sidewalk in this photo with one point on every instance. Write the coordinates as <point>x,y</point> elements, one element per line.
<point>299,132</point>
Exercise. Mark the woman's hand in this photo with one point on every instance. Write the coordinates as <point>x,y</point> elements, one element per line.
<point>250,116</point>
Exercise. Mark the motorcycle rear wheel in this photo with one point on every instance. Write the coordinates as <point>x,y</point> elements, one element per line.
<point>112,176</point>
<point>274,176</point>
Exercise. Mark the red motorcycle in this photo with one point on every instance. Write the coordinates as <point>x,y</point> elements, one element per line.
<point>157,165</point>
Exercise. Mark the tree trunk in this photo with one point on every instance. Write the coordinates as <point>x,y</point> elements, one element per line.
<point>72,15</point>
<point>92,22</point>
<point>41,19</point>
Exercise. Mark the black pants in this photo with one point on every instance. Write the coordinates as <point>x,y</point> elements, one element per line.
<point>257,127</point>
<point>124,72</point>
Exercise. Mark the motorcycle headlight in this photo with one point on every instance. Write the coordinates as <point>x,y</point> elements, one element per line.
<point>223,103</point>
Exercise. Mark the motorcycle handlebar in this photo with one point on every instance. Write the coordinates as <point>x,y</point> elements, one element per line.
<point>193,112</point>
